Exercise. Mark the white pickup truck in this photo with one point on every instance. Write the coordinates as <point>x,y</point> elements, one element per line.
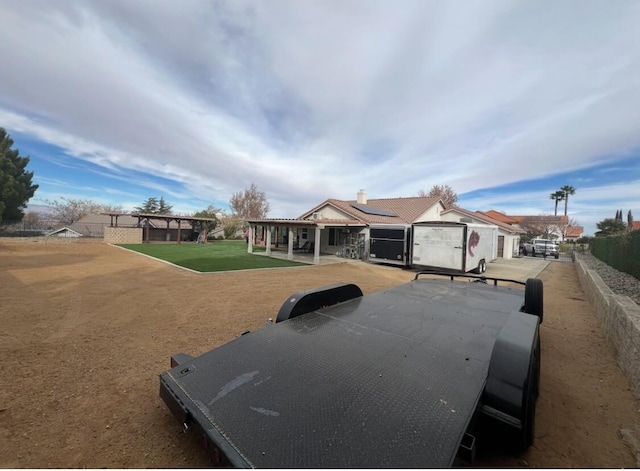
<point>543,247</point>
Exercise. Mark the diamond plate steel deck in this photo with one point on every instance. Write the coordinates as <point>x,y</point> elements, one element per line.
<point>387,380</point>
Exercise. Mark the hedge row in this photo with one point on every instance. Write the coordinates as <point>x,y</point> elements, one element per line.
<point>621,252</point>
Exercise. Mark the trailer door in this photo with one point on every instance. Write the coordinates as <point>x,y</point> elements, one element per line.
<point>388,244</point>
<point>439,246</point>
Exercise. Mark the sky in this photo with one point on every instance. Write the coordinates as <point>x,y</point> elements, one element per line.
<point>193,100</point>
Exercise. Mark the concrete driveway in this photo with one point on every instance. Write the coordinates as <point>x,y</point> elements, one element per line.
<point>516,268</point>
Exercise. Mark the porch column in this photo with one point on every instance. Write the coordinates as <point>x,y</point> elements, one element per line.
<point>250,244</point>
<point>290,244</point>
<point>316,247</point>
<point>268,241</point>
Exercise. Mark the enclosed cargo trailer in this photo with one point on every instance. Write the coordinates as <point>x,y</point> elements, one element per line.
<point>453,246</point>
<point>390,244</point>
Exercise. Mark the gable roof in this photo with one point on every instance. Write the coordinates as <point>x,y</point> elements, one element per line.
<point>543,219</point>
<point>483,217</point>
<point>405,210</point>
<point>498,216</point>
<point>65,230</point>
<point>574,231</point>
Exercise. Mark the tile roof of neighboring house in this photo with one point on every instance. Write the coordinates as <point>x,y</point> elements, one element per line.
<point>636,226</point>
<point>509,219</point>
<point>574,232</point>
<point>406,210</point>
<point>498,216</point>
<point>483,217</point>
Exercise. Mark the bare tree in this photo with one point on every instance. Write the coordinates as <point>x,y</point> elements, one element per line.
<point>69,210</point>
<point>444,192</point>
<point>250,204</point>
<point>232,225</point>
<point>543,227</point>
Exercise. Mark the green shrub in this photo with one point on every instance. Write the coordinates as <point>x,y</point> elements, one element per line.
<point>621,252</point>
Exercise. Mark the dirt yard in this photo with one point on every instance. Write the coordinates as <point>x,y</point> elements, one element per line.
<point>87,328</point>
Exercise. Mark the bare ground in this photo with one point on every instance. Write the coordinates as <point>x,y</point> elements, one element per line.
<point>87,328</point>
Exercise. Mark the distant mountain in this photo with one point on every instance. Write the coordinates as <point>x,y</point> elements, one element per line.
<point>40,209</point>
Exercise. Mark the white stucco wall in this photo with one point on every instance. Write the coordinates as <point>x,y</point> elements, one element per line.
<point>432,214</point>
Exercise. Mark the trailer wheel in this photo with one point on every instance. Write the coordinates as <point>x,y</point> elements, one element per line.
<point>484,266</point>
<point>533,298</point>
<point>533,252</point>
<point>524,251</point>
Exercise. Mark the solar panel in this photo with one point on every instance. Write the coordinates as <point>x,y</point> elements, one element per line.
<point>374,211</point>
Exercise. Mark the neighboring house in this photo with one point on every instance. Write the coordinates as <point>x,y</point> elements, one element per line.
<point>636,226</point>
<point>336,223</point>
<point>554,225</point>
<point>573,233</point>
<point>508,235</point>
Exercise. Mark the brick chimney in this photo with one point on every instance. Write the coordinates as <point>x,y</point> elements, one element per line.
<point>362,197</point>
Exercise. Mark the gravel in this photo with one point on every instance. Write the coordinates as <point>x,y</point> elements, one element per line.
<point>619,282</point>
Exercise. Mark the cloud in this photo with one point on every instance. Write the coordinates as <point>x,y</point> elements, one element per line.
<point>316,99</point>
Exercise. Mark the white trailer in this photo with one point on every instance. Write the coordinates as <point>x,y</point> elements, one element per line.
<point>455,246</point>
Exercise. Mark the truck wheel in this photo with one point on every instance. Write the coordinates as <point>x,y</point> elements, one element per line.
<point>533,298</point>
<point>533,252</point>
<point>557,256</point>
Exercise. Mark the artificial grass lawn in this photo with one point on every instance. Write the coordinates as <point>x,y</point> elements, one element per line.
<point>210,257</point>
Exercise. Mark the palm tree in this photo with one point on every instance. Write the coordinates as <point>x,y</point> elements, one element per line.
<point>557,196</point>
<point>566,191</point>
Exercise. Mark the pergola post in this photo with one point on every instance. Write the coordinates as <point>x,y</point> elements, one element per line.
<point>250,244</point>
<point>290,244</point>
<point>268,241</point>
<point>179,231</point>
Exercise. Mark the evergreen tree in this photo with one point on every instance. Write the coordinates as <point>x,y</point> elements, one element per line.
<point>163,207</point>
<point>16,187</point>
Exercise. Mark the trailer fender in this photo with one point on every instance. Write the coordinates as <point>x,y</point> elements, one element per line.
<point>513,379</point>
<point>312,300</point>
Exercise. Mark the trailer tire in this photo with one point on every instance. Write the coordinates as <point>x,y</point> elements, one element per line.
<point>533,252</point>
<point>534,298</point>
<point>484,266</point>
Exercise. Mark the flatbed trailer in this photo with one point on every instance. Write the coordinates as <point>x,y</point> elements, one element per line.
<point>393,379</point>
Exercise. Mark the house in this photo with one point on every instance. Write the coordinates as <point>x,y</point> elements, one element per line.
<point>573,233</point>
<point>335,224</point>
<point>635,226</point>
<point>538,225</point>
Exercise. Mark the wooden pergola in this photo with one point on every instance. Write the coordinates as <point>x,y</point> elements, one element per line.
<point>160,217</point>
